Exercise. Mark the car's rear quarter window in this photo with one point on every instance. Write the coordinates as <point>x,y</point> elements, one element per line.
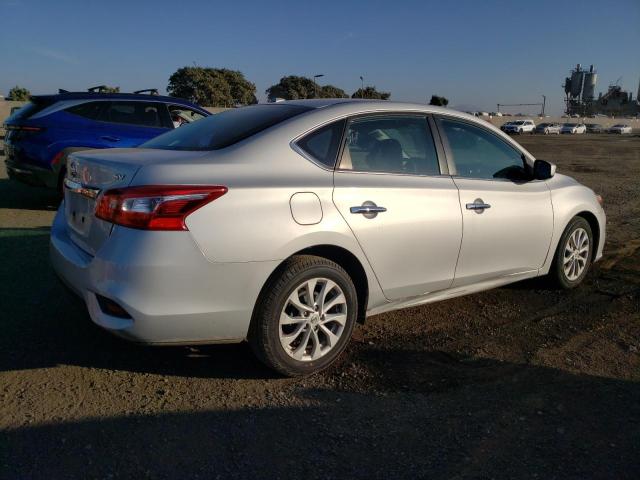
<point>90,110</point>
<point>323,144</point>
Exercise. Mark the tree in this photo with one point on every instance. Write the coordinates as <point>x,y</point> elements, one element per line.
<point>438,101</point>
<point>19,94</point>
<point>371,93</point>
<point>212,87</point>
<point>330,91</point>
<point>108,89</point>
<point>292,87</point>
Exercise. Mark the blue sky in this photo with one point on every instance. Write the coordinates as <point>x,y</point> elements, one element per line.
<point>476,53</point>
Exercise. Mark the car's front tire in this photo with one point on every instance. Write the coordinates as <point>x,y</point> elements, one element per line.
<point>304,317</point>
<point>573,255</point>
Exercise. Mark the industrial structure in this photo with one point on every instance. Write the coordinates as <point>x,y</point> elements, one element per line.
<point>580,99</point>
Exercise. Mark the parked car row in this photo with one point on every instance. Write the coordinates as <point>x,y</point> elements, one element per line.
<point>42,133</point>
<point>527,126</point>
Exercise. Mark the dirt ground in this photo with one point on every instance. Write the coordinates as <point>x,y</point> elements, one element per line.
<point>519,382</point>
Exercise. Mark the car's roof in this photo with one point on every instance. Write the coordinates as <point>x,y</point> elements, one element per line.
<point>110,96</point>
<point>359,104</point>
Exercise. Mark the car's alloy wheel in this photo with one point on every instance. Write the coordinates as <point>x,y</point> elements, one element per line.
<point>576,254</point>
<point>573,255</point>
<point>305,315</point>
<point>313,319</point>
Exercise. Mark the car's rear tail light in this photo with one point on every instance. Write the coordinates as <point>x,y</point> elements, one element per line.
<point>24,128</point>
<point>154,207</point>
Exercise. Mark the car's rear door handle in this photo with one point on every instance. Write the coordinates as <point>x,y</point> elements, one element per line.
<point>368,209</point>
<point>478,204</point>
<point>109,138</point>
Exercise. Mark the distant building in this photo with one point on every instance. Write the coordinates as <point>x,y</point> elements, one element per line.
<point>580,87</point>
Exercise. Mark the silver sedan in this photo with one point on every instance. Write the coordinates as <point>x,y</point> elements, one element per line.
<point>285,224</point>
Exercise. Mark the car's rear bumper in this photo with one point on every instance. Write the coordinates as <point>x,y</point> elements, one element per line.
<point>172,293</point>
<point>32,175</point>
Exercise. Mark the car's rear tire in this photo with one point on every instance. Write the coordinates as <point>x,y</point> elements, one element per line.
<point>295,334</point>
<point>573,255</point>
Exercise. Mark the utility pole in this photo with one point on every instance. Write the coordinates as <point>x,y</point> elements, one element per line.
<point>544,103</point>
<point>362,88</point>
<point>315,84</point>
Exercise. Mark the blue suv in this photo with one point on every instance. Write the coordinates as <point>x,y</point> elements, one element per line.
<point>41,134</point>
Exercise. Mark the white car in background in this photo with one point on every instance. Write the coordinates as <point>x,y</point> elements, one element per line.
<point>621,129</point>
<point>573,128</point>
<point>519,126</point>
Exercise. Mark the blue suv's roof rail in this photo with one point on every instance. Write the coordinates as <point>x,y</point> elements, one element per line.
<point>150,91</point>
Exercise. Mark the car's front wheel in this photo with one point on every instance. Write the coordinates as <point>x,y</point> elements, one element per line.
<point>573,255</point>
<point>305,316</point>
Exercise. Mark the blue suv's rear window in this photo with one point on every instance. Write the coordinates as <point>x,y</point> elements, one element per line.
<point>226,128</point>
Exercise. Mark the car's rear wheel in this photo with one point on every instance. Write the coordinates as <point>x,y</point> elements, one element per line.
<point>305,316</point>
<point>573,255</point>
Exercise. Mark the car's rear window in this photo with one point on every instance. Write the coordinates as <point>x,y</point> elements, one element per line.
<point>226,128</point>
<point>28,110</point>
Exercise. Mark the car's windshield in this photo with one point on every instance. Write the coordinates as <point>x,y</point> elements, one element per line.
<point>570,124</point>
<point>519,122</point>
<point>226,128</point>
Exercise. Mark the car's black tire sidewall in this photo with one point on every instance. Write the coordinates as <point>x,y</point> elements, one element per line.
<point>264,335</point>
<point>557,271</point>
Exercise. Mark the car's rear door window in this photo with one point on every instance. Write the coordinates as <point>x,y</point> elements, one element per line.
<point>390,144</point>
<point>322,145</point>
<point>144,114</point>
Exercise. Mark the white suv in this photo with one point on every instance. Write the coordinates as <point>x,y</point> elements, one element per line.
<point>519,126</point>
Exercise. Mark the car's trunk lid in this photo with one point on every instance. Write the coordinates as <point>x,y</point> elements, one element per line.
<point>91,172</point>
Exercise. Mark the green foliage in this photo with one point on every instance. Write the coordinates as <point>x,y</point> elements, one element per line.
<point>371,93</point>
<point>292,87</point>
<point>330,91</point>
<point>19,94</point>
<point>439,101</point>
<point>212,87</point>
<point>108,89</point>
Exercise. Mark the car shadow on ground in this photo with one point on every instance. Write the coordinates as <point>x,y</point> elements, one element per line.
<point>18,196</point>
<point>493,420</point>
<point>385,411</point>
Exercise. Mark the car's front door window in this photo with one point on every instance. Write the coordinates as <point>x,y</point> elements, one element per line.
<point>478,153</point>
<point>181,115</point>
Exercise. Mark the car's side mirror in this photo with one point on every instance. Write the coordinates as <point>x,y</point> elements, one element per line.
<point>543,170</point>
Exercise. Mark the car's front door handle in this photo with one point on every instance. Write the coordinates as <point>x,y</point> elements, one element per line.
<point>109,138</point>
<point>368,209</point>
<point>478,205</point>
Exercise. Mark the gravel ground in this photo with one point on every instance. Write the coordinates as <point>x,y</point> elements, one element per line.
<point>518,382</point>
